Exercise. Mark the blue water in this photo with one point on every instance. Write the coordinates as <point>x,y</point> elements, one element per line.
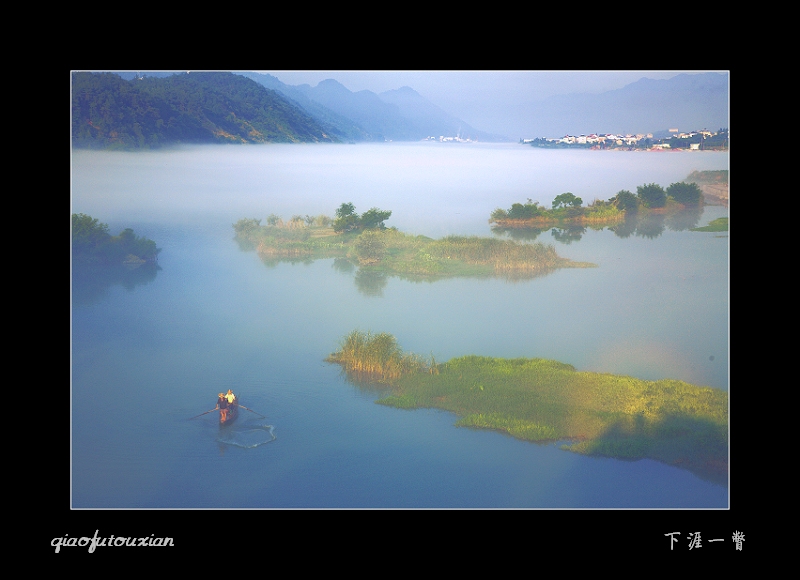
<point>146,357</point>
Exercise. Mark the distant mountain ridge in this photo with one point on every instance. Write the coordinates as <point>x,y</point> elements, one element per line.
<point>397,115</point>
<point>364,108</point>
<point>429,118</point>
<point>685,101</point>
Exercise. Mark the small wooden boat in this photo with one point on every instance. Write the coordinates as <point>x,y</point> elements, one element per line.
<point>228,414</point>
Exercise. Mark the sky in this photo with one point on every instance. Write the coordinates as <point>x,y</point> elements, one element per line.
<point>490,101</point>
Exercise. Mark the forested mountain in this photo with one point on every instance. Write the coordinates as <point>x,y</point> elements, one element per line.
<point>109,112</point>
<point>365,108</point>
<point>333,122</point>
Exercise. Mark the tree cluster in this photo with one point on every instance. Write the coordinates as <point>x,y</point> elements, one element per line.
<point>566,200</point>
<point>347,220</point>
<point>568,203</point>
<point>93,245</point>
<point>654,196</point>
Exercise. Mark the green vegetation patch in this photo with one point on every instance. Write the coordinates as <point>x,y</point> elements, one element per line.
<point>519,428</point>
<point>717,225</point>
<point>542,400</point>
<point>401,402</point>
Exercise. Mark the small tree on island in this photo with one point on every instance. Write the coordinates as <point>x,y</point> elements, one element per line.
<point>567,199</point>
<point>685,193</point>
<point>625,200</point>
<point>520,211</point>
<point>374,218</point>
<point>652,195</point>
<point>348,220</point>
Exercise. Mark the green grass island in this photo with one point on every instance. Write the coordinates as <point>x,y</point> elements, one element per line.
<point>365,241</point>
<point>546,401</point>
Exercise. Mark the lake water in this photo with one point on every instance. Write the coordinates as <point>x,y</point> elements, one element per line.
<point>151,352</point>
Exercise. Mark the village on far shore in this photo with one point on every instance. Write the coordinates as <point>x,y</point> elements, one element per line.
<point>672,139</point>
<point>669,140</point>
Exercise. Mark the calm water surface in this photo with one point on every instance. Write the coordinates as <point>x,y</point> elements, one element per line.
<point>150,353</point>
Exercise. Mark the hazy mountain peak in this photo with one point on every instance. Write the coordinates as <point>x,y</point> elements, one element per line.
<point>332,84</point>
<point>687,101</point>
<point>404,90</point>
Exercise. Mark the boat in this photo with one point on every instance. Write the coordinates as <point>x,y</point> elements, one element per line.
<point>228,414</point>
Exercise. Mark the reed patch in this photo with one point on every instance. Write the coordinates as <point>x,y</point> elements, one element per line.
<point>365,355</point>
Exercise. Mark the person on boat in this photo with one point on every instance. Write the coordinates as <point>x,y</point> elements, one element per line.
<point>230,397</point>
<point>222,405</point>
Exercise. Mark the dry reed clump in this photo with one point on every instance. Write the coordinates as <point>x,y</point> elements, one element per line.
<point>502,255</point>
<point>594,214</point>
<point>376,355</point>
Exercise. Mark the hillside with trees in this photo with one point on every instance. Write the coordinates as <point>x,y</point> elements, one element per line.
<point>334,123</point>
<point>109,112</point>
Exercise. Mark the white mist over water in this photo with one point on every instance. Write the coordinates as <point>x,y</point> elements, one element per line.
<point>433,189</point>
